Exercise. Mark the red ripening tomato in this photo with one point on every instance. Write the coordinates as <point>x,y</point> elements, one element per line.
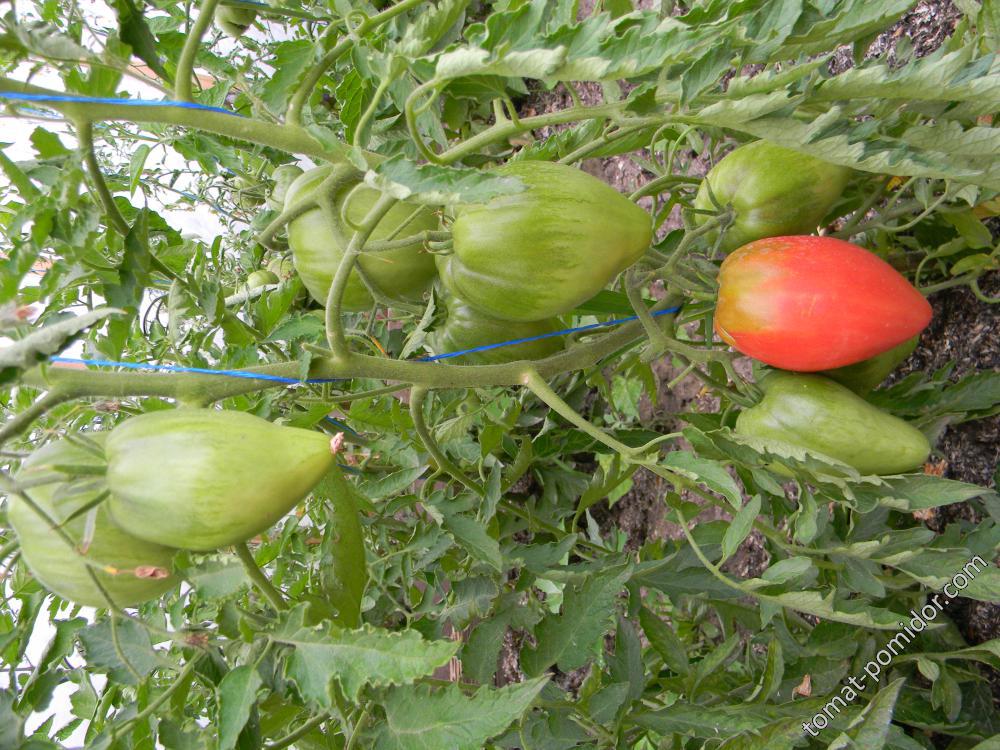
<point>814,303</point>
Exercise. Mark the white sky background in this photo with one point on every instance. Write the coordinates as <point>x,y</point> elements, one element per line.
<point>200,222</point>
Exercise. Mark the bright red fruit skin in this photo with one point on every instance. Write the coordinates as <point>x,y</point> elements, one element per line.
<point>810,303</point>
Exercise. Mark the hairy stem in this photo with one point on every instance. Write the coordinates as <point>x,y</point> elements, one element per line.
<point>21,421</point>
<point>537,385</point>
<point>298,734</point>
<point>185,63</point>
<point>288,138</point>
<point>293,115</point>
<point>335,297</point>
<point>418,395</point>
<point>261,581</point>
<point>266,236</point>
<point>154,706</point>
<point>85,135</point>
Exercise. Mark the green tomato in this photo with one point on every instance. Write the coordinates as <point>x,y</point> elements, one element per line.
<point>200,479</point>
<point>248,196</point>
<point>234,21</point>
<point>282,267</point>
<point>131,570</point>
<point>862,377</point>
<point>822,416</point>
<point>465,328</point>
<point>541,252</point>
<point>283,177</point>
<point>261,278</point>
<point>318,244</point>
<point>773,190</point>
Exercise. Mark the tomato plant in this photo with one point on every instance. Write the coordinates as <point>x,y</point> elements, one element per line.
<point>283,516</point>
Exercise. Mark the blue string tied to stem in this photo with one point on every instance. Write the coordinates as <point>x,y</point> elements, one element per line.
<point>310,381</point>
<point>28,96</point>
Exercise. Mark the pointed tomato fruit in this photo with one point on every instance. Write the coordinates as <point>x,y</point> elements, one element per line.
<point>813,303</point>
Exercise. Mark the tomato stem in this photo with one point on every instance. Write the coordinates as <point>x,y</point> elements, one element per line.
<point>261,581</point>
<point>293,114</point>
<point>418,395</point>
<point>185,63</point>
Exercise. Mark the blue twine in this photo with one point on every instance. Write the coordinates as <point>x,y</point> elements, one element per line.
<point>296,381</point>
<point>65,99</point>
<point>340,425</point>
<point>539,337</point>
<point>293,381</point>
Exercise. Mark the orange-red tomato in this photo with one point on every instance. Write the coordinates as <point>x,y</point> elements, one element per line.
<point>813,303</point>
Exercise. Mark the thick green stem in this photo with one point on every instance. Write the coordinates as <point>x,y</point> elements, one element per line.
<point>7,549</point>
<point>68,383</point>
<point>422,237</point>
<point>364,122</point>
<point>185,63</point>
<point>246,294</point>
<point>298,734</point>
<point>85,135</point>
<point>359,725</point>
<point>418,395</point>
<point>266,236</point>
<point>153,707</point>
<point>962,280</point>
<point>335,297</point>
<point>709,565</point>
<point>537,385</point>
<point>273,596</point>
<point>657,336</point>
<point>501,131</point>
<point>656,186</point>
<point>608,138</point>
<point>288,138</point>
<point>876,195</point>
<point>21,421</point>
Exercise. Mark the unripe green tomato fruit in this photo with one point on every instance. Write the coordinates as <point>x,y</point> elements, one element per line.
<point>200,479</point>
<point>773,190</point>
<point>318,244</point>
<point>234,21</point>
<point>283,177</point>
<point>261,278</point>
<point>822,416</point>
<point>466,328</point>
<point>131,570</point>
<point>862,377</point>
<point>281,267</point>
<point>248,195</point>
<point>541,252</point>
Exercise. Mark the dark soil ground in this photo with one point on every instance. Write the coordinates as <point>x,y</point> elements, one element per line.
<point>963,331</point>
